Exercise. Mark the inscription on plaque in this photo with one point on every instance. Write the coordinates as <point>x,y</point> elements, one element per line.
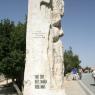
<point>38,34</point>
<point>40,82</point>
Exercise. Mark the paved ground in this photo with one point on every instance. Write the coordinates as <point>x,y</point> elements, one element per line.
<point>72,87</point>
<point>89,82</point>
<point>7,89</point>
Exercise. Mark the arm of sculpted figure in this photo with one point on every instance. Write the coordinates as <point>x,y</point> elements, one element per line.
<point>47,3</point>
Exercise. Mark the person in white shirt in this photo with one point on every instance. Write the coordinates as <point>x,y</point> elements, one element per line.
<point>93,74</point>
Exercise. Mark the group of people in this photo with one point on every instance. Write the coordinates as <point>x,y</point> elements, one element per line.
<point>77,74</point>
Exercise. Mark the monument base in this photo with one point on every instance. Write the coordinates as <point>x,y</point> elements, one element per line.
<point>46,92</point>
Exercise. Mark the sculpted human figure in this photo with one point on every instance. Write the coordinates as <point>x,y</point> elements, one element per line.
<point>58,66</point>
<point>44,56</point>
<point>53,10</point>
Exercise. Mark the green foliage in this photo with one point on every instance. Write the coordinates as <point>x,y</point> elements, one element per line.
<point>12,48</point>
<point>71,60</point>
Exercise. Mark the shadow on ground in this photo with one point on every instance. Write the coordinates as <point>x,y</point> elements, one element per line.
<point>7,89</point>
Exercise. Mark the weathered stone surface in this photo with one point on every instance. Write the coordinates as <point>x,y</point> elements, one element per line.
<point>58,66</point>
<point>44,68</point>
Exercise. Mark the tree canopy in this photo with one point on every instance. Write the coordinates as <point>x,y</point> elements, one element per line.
<point>71,60</point>
<point>12,48</point>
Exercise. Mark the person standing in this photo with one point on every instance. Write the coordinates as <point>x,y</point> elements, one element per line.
<point>74,72</point>
<point>80,73</point>
<point>93,74</point>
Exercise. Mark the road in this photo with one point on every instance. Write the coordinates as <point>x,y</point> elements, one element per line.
<point>88,81</point>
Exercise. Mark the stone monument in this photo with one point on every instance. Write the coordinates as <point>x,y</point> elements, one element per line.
<point>44,68</point>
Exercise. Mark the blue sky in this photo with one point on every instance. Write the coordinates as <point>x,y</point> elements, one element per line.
<point>79,29</point>
<point>13,9</point>
<point>78,24</point>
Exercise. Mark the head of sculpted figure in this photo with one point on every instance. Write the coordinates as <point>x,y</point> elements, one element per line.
<point>58,6</point>
<point>58,12</point>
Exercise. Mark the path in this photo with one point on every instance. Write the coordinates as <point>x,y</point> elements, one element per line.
<point>73,87</point>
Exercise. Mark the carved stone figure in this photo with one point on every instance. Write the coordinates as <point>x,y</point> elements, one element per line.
<point>58,66</point>
<point>44,50</point>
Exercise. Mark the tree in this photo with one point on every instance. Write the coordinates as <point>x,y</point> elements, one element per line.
<point>18,51</point>
<point>6,27</point>
<point>71,60</point>
<point>12,50</point>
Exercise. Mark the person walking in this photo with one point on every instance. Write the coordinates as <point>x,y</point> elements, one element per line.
<point>93,75</point>
<point>74,72</point>
<point>80,73</point>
